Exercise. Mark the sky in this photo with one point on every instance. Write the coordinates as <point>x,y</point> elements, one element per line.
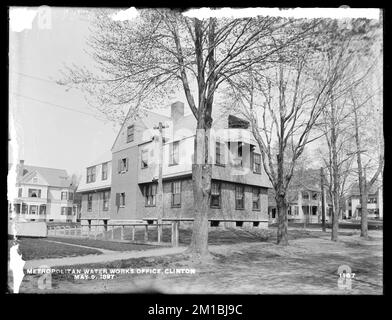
<point>54,127</point>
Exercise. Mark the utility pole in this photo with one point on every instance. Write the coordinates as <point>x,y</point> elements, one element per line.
<point>160,209</point>
<point>322,199</point>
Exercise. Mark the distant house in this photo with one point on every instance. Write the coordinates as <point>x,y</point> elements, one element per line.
<point>44,194</point>
<point>95,191</point>
<point>374,205</point>
<point>304,199</point>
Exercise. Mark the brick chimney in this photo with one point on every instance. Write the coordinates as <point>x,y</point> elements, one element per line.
<point>20,169</point>
<point>177,111</point>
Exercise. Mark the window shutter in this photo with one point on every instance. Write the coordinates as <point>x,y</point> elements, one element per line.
<point>126,164</point>
<point>119,166</point>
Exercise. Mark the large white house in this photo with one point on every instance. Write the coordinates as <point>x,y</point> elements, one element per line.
<point>374,205</point>
<point>44,194</point>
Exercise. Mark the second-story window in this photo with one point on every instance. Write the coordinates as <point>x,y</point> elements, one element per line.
<point>122,165</point>
<point>104,171</point>
<point>64,195</point>
<point>20,192</point>
<point>144,158</point>
<point>130,133</point>
<point>215,195</point>
<point>219,149</point>
<point>89,201</point>
<point>120,199</point>
<point>236,153</point>
<point>174,153</point>
<point>150,192</point>
<point>176,194</point>
<point>70,196</point>
<point>239,197</point>
<point>34,193</point>
<point>256,163</point>
<point>91,174</point>
<point>256,199</point>
<point>105,200</point>
<point>305,195</point>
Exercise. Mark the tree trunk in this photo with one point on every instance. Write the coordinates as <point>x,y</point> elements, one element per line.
<point>362,180</point>
<point>282,237</point>
<point>364,214</point>
<point>201,176</point>
<point>335,177</point>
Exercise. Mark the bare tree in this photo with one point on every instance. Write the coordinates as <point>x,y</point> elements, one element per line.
<point>284,104</point>
<point>361,150</point>
<point>143,60</point>
<point>338,157</point>
<point>358,37</point>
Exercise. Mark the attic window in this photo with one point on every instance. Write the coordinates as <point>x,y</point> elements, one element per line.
<point>35,179</point>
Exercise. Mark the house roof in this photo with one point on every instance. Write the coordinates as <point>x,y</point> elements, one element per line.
<point>302,180</point>
<point>105,157</point>
<point>308,179</point>
<point>354,189</point>
<point>54,177</point>
<point>149,119</point>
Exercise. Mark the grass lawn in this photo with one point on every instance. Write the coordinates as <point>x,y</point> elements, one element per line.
<point>307,266</point>
<point>102,244</point>
<point>39,248</point>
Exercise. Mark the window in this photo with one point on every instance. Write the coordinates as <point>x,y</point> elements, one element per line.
<point>104,171</point>
<point>122,199</point>
<point>91,174</point>
<point>256,163</point>
<point>150,192</point>
<point>256,199</point>
<point>236,153</point>
<point>33,209</point>
<point>17,208</point>
<point>42,209</point>
<point>122,165</point>
<point>144,158</point>
<point>215,195</point>
<point>24,208</point>
<point>64,195</point>
<point>176,194</point>
<point>372,200</point>
<point>69,211</point>
<point>89,201</point>
<point>174,153</point>
<point>314,196</point>
<point>130,133</point>
<point>219,148</point>
<point>305,195</point>
<point>63,211</point>
<point>19,192</point>
<point>34,193</point>
<point>239,197</point>
<point>70,196</point>
<point>105,202</point>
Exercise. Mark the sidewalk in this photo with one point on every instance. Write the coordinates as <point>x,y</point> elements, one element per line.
<point>107,256</point>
